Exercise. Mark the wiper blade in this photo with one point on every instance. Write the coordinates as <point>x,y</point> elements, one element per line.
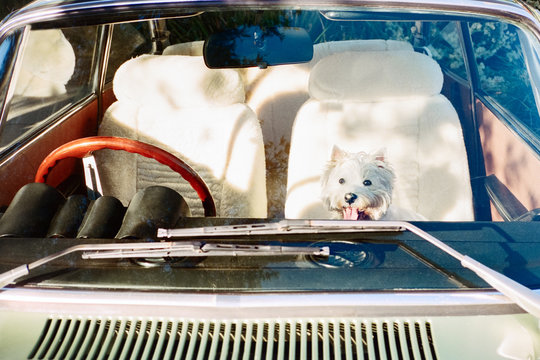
<point>160,250</point>
<point>282,227</point>
<point>176,249</point>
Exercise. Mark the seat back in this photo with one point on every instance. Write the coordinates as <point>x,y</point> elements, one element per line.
<point>277,93</point>
<point>365,101</point>
<point>198,114</point>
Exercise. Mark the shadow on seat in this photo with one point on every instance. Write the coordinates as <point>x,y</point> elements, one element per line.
<point>197,114</point>
<point>364,101</point>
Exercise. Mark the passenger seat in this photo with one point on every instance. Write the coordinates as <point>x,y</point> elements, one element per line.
<point>364,101</point>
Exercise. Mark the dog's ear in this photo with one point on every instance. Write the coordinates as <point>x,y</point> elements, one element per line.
<point>337,154</point>
<point>380,155</point>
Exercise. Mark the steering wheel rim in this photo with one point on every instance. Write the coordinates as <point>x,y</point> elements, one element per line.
<point>81,147</point>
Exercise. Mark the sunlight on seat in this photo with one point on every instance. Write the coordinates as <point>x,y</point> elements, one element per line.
<point>198,114</point>
<point>365,101</point>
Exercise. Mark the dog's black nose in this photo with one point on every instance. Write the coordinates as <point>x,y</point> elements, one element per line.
<point>350,198</point>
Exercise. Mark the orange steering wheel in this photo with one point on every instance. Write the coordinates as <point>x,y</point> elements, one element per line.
<point>81,147</point>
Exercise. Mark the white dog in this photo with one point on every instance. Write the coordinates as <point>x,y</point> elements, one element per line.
<point>358,186</point>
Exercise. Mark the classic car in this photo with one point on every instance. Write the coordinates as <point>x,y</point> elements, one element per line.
<point>174,181</point>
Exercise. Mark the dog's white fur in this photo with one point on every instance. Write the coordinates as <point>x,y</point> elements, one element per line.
<point>359,186</point>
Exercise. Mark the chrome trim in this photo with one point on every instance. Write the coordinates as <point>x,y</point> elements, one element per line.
<point>274,305</point>
<point>104,48</point>
<point>13,67</point>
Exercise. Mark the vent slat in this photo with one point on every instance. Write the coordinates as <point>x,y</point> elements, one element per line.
<point>292,340</point>
<point>59,339</point>
<point>48,339</point>
<point>226,340</point>
<point>358,339</point>
<point>131,329</point>
<point>414,346</point>
<point>326,340</point>
<point>270,342</point>
<point>391,340</point>
<point>281,341</point>
<point>103,347</point>
<point>424,339</point>
<point>201,354</point>
<point>161,341</point>
<point>248,339</point>
<point>403,341</point>
<point>215,341</point>
<point>337,340</point>
<point>347,340</point>
<point>237,340</point>
<point>314,340</point>
<point>148,346</point>
<point>192,339</point>
<point>381,340</point>
<point>370,340</point>
<point>303,340</point>
<point>172,336</point>
<point>98,338</point>
<point>68,347</point>
<point>182,340</point>
<point>259,340</point>
<point>119,340</point>
<point>140,339</point>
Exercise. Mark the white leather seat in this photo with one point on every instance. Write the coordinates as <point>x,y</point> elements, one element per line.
<point>364,101</point>
<point>275,94</point>
<point>198,114</point>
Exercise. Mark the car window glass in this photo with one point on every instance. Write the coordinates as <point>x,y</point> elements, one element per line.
<point>445,47</point>
<point>6,51</point>
<point>128,41</point>
<point>502,70</point>
<point>56,71</point>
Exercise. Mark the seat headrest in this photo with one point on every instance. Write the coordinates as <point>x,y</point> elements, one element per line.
<point>370,76</point>
<point>176,81</point>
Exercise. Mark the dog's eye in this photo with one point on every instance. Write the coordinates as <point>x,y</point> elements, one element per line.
<point>367,182</point>
<point>341,181</point>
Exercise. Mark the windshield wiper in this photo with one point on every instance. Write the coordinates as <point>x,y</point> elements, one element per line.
<point>521,295</point>
<point>282,227</point>
<point>177,249</point>
<point>162,250</point>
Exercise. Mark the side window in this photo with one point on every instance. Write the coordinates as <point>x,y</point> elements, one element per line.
<point>445,47</point>
<point>57,70</point>
<point>128,41</point>
<point>503,74</point>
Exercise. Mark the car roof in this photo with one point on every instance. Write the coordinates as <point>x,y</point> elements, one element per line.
<point>102,11</point>
<point>44,5</point>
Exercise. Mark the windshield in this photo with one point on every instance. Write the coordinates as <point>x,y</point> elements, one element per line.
<point>234,117</point>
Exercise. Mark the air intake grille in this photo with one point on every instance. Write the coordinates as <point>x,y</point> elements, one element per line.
<point>96,338</point>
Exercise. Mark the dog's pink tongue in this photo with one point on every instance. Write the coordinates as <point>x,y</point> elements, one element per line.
<point>350,213</point>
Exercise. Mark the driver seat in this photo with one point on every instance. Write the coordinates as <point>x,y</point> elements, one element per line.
<point>199,115</point>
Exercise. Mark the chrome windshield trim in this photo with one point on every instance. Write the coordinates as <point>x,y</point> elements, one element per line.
<point>13,66</point>
<point>410,303</point>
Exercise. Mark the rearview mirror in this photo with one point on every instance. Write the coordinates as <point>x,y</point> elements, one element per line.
<point>254,46</point>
